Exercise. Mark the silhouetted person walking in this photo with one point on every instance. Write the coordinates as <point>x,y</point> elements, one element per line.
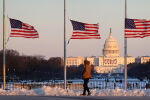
<point>86,75</point>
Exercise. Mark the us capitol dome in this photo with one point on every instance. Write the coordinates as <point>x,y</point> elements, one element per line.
<point>110,61</point>
<point>111,47</point>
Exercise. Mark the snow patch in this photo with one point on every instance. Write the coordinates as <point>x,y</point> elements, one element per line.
<point>55,91</point>
<point>17,92</point>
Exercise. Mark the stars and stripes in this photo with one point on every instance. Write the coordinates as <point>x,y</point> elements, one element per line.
<point>20,29</point>
<point>84,30</point>
<point>137,28</point>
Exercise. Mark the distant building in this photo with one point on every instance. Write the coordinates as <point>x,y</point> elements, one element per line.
<point>74,61</point>
<point>110,62</point>
<point>143,59</point>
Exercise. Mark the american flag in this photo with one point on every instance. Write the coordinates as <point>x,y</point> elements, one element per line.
<point>137,28</point>
<point>84,30</point>
<point>20,29</point>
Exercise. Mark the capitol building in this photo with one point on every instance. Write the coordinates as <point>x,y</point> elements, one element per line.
<point>110,61</point>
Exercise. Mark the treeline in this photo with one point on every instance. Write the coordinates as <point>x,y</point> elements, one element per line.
<point>140,71</point>
<point>35,68</point>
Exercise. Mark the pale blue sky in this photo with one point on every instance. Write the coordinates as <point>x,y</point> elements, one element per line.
<point>47,17</point>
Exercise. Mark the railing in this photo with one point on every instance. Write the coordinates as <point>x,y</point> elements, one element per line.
<point>77,84</point>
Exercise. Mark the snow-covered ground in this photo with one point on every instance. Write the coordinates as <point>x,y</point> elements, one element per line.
<point>99,87</point>
<point>48,91</point>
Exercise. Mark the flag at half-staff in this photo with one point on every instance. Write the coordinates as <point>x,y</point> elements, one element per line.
<point>85,30</point>
<point>20,29</point>
<point>137,28</point>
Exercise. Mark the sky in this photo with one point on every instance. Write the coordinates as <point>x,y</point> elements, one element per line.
<point>47,18</point>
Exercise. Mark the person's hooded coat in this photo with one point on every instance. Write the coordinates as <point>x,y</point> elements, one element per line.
<point>86,73</point>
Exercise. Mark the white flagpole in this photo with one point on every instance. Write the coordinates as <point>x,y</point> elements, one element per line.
<point>4,46</point>
<point>125,51</point>
<point>65,44</point>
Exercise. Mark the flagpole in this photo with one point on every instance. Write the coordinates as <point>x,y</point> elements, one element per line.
<point>125,51</point>
<point>4,46</point>
<point>65,44</point>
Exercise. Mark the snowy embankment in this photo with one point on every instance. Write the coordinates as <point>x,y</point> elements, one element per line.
<point>48,91</point>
